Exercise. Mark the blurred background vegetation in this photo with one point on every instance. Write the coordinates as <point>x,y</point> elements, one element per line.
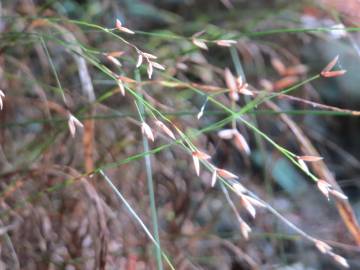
<point>57,209</point>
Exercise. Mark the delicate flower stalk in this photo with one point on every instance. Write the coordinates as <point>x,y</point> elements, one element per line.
<point>146,130</point>
<point>200,44</point>
<point>73,122</point>
<point>164,128</point>
<point>225,42</point>
<point>197,156</point>
<point>327,72</point>
<point>121,28</point>
<point>2,95</point>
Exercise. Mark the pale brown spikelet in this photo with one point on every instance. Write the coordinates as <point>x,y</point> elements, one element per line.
<point>324,187</point>
<point>331,65</point>
<point>225,42</point>
<point>196,164</point>
<point>327,71</point>
<point>213,177</point>
<point>226,134</point>
<point>255,201</point>
<point>157,65</point>
<point>285,82</point>
<point>338,194</point>
<point>239,189</point>
<point>200,43</point>
<point>197,156</point>
<point>139,60</point>
<point>2,95</point>
<point>303,166</point>
<point>240,143</point>
<point>164,128</point>
<point>231,84</point>
<point>121,86</point>
<point>296,70</point>
<point>116,53</point>
<point>121,28</point>
<point>322,246</point>
<point>150,70</point>
<point>245,229</point>
<point>341,260</point>
<point>248,205</point>
<point>266,84</point>
<point>332,74</point>
<point>149,55</point>
<point>73,122</point>
<point>242,87</point>
<point>201,155</point>
<point>310,158</point>
<point>226,174</point>
<point>278,66</point>
<point>201,112</point>
<point>146,130</point>
<point>113,60</point>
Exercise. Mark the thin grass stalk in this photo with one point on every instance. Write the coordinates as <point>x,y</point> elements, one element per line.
<point>150,184</point>
<point>136,217</point>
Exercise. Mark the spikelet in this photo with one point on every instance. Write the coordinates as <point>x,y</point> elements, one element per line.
<point>231,84</point>
<point>225,42</point>
<point>241,143</point>
<point>146,130</point>
<point>226,134</point>
<point>226,174</point>
<point>164,128</point>
<point>2,95</point>
<point>245,229</point>
<point>214,177</point>
<point>121,28</point>
<point>341,260</point>
<point>200,43</point>
<point>73,122</point>
<point>197,156</point>
<point>121,86</point>
<point>322,246</point>
<point>113,60</point>
<point>327,71</point>
<point>139,60</point>
<point>324,187</point>
<point>150,70</point>
<point>310,158</point>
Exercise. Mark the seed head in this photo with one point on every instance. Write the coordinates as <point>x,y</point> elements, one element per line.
<point>146,130</point>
